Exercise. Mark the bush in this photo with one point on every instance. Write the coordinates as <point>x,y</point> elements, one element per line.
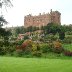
<point>57,47</point>
<point>26,37</point>
<point>20,42</point>
<point>28,48</point>
<point>61,35</point>
<point>37,53</point>
<point>67,53</point>
<point>25,47</point>
<point>69,32</point>
<point>41,39</point>
<point>45,48</point>
<point>51,37</point>
<point>68,40</point>
<point>10,50</point>
<point>2,51</point>
<point>18,53</point>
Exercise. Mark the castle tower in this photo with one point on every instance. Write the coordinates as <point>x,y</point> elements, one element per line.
<point>55,17</point>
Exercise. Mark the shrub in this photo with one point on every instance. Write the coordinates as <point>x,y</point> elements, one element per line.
<point>57,47</point>
<point>25,47</point>
<point>20,42</point>
<point>50,45</point>
<point>68,40</point>
<point>34,47</point>
<point>51,37</point>
<point>41,39</point>
<point>36,50</point>
<point>37,53</point>
<point>61,35</point>
<point>26,37</point>
<point>18,47</point>
<point>69,32</point>
<point>10,50</point>
<point>18,53</point>
<point>38,47</point>
<point>2,51</point>
<point>45,48</point>
<point>67,53</point>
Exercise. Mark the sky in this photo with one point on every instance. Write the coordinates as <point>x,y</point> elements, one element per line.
<point>15,15</point>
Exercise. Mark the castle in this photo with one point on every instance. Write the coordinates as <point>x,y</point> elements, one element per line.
<point>42,19</point>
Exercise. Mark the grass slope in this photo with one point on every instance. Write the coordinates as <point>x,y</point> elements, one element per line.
<point>11,64</point>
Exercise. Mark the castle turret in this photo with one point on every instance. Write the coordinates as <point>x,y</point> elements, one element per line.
<point>55,17</point>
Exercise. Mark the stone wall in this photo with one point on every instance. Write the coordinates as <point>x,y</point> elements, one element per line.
<point>42,19</point>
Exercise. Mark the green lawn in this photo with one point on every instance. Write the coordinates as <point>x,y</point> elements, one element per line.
<point>11,64</point>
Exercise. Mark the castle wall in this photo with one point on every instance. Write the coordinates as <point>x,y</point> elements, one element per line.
<point>42,20</point>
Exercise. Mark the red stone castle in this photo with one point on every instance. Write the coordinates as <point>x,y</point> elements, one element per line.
<point>42,19</point>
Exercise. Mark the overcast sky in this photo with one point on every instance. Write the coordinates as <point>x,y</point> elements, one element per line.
<point>15,15</point>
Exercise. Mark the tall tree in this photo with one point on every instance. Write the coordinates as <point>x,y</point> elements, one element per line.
<point>5,4</point>
<point>3,33</point>
<point>52,28</point>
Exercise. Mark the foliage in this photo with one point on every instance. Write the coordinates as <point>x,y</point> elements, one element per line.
<point>37,50</point>
<point>61,35</point>
<point>67,40</point>
<point>19,30</point>
<point>6,3</point>
<point>57,47</point>
<point>19,42</point>
<point>41,39</point>
<point>25,47</point>
<point>26,37</point>
<point>67,46</point>
<point>18,53</point>
<point>67,53</point>
<point>50,28</point>
<point>3,33</point>
<point>31,29</point>
<point>61,32</point>
<point>2,51</point>
<point>37,53</point>
<point>69,33</point>
<point>50,37</point>
<point>53,28</point>
<point>35,37</point>
<point>2,21</point>
<point>6,46</point>
<point>45,48</point>
<point>68,28</point>
<point>29,47</point>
